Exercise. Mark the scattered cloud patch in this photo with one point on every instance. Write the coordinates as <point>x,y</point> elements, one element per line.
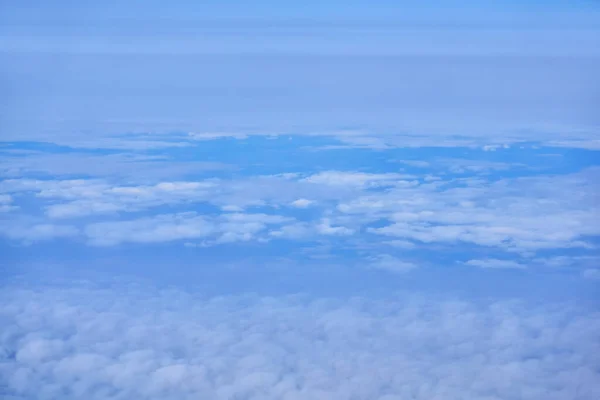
<point>403,244</point>
<point>457,202</point>
<point>355,179</point>
<point>162,228</point>
<point>36,232</point>
<point>494,263</point>
<point>226,228</point>
<point>325,228</point>
<point>302,203</point>
<point>392,264</point>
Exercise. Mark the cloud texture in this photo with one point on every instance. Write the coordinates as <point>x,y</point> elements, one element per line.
<point>136,342</point>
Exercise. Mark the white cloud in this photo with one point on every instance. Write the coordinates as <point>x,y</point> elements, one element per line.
<point>461,165</point>
<point>91,197</point>
<point>325,228</point>
<point>84,208</point>
<point>84,197</point>
<point>589,144</point>
<point>225,228</point>
<point>244,227</point>
<point>458,165</point>
<point>162,228</point>
<point>136,342</point>
<point>294,231</point>
<point>263,219</point>
<point>475,134</point>
<point>301,203</point>
<point>356,179</point>
<point>494,263</point>
<point>523,215</point>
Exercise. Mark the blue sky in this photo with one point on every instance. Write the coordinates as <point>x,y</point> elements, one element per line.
<point>299,201</point>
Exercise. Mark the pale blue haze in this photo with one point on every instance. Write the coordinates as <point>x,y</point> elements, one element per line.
<point>312,200</point>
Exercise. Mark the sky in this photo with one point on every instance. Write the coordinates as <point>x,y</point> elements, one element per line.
<point>316,200</point>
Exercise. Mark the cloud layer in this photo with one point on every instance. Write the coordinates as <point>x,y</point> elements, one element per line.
<point>525,215</point>
<point>137,342</point>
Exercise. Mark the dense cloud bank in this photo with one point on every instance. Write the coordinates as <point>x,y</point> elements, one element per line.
<point>135,342</point>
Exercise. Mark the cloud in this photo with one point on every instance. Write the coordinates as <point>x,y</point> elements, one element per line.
<point>74,198</point>
<point>294,231</point>
<point>460,165</point>
<point>301,203</point>
<point>5,203</point>
<point>35,232</point>
<point>226,228</point>
<point>522,215</point>
<point>403,244</point>
<point>391,264</point>
<point>162,228</point>
<point>494,263</point>
<point>133,341</point>
<point>356,179</point>
<point>71,198</point>
<point>244,227</point>
<point>5,199</point>
<point>325,228</point>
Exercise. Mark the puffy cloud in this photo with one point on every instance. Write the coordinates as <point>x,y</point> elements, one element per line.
<point>84,197</point>
<point>133,341</point>
<point>125,198</point>
<point>94,196</point>
<point>483,138</point>
<point>325,228</point>
<point>244,227</point>
<point>524,215</point>
<point>301,203</point>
